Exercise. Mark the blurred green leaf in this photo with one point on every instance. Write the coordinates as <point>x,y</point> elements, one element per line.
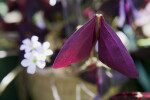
<point>4,8</point>
<point>6,65</point>
<point>144,78</point>
<point>143,42</point>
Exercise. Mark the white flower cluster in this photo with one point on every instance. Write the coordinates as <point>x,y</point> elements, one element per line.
<point>35,54</point>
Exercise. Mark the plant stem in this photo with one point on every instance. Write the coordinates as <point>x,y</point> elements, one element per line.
<point>97,35</point>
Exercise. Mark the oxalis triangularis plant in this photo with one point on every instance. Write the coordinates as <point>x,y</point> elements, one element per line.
<point>111,51</point>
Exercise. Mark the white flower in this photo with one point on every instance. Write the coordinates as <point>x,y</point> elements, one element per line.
<point>29,45</point>
<point>35,54</point>
<point>44,51</point>
<point>31,61</point>
<point>40,20</point>
<point>52,2</point>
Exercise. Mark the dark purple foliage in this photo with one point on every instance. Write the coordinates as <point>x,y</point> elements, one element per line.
<point>90,75</point>
<point>125,9</point>
<point>113,53</point>
<point>131,96</point>
<point>78,46</point>
<point>111,50</point>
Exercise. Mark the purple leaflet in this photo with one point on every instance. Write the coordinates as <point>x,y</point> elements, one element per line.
<point>90,74</point>
<point>134,10</point>
<point>103,81</point>
<point>78,46</point>
<point>132,96</point>
<point>127,10</point>
<point>122,13</point>
<point>111,50</point>
<point>113,53</point>
<point>128,15</point>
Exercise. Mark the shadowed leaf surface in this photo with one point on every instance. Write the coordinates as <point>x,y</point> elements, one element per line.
<point>113,53</point>
<point>78,46</point>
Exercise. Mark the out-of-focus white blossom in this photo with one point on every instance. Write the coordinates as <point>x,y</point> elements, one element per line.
<point>40,20</point>
<point>35,54</point>
<point>123,38</point>
<point>44,51</point>
<point>31,62</point>
<point>52,2</point>
<point>29,45</point>
<point>144,16</point>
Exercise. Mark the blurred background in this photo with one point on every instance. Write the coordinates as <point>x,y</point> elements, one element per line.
<point>55,21</point>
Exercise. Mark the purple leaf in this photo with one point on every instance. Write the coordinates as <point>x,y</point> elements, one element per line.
<point>132,96</point>
<point>78,46</point>
<point>113,53</point>
<point>111,50</point>
<point>118,78</point>
<point>134,10</point>
<point>98,97</point>
<point>90,74</point>
<point>128,15</point>
<point>122,13</point>
<point>103,81</point>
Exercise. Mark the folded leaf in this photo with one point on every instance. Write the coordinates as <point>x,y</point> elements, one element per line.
<point>78,46</point>
<point>113,53</point>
